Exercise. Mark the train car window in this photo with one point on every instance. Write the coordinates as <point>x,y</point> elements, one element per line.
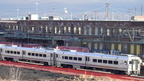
<point>79,59</point>
<point>44,55</point>
<point>15,52</point>
<point>32,54</point>
<point>40,55</point>
<point>18,52</point>
<point>8,51</point>
<point>116,62</point>
<point>125,62</point>
<point>94,60</point>
<point>130,62</point>
<point>36,54</point>
<point>99,61</point>
<point>70,58</point>
<point>110,62</point>
<point>12,52</point>
<point>105,61</point>
<point>75,58</point>
<point>29,54</point>
<point>66,57</point>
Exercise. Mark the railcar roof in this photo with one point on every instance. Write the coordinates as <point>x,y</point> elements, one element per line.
<point>93,54</point>
<point>28,49</point>
<point>66,52</point>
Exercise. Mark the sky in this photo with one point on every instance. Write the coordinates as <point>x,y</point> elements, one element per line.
<point>14,8</point>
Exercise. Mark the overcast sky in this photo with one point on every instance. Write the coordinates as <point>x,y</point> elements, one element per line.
<point>23,7</point>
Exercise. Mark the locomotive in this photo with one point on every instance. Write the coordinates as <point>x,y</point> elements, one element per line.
<point>128,64</point>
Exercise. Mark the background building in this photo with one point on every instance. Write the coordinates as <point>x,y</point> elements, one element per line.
<point>99,36</point>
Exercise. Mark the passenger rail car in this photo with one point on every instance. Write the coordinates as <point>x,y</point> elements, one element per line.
<point>129,64</point>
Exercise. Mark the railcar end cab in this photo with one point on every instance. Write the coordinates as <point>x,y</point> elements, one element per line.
<point>134,65</point>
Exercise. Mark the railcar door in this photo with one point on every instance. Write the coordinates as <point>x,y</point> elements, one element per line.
<point>0,53</point>
<point>53,59</point>
<point>23,53</point>
<point>87,59</point>
<point>134,65</point>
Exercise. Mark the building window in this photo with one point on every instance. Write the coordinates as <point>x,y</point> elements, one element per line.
<point>85,31</point>
<point>41,29</point>
<point>113,31</point>
<point>16,27</point>
<point>75,29</point>
<point>59,31</point>
<point>96,31</point>
<point>108,32</point>
<point>55,30</point>
<point>90,30</point>
<point>120,30</point>
<point>69,29</point>
<point>79,30</point>
<point>33,29</point>
<point>101,31</point>
<point>46,29</point>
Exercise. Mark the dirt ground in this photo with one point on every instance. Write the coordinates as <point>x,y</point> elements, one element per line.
<point>33,75</point>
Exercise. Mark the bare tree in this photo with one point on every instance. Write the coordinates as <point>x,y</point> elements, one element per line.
<point>14,74</point>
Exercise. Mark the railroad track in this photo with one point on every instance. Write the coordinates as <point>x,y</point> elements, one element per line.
<point>71,71</point>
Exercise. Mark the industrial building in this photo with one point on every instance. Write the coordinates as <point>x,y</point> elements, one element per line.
<point>123,36</point>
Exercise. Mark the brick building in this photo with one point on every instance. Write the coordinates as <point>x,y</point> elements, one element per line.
<point>125,36</point>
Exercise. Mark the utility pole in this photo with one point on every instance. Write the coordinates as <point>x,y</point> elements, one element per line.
<point>95,14</point>
<point>130,13</point>
<point>36,7</point>
<point>135,11</point>
<point>17,13</point>
<point>107,11</point>
<point>53,10</point>
<point>141,10</point>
